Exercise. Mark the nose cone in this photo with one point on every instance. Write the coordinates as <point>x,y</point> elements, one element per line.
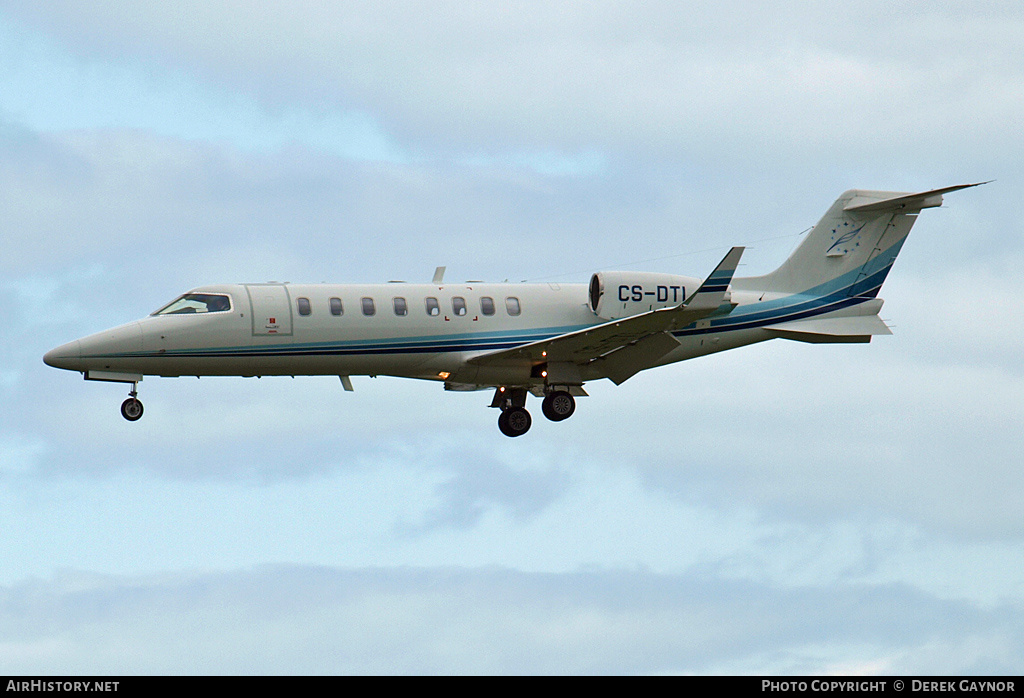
<point>111,345</point>
<point>67,356</point>
<point>110,350</point>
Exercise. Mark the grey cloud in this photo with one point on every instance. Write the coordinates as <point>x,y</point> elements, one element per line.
<point>860,435</point>
<point>196,206</point>
<point>699,147</point>
<point>482,484</point>
<point>289,619</point>
<point>814,433</point>
<point>652,78</point>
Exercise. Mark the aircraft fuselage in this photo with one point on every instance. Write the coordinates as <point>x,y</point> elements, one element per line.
<point>408,330</point>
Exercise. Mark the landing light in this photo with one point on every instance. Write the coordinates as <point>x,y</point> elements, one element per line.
<point>443,375</point>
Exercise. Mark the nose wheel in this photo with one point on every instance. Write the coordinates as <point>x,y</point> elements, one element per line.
<point>131,409</point>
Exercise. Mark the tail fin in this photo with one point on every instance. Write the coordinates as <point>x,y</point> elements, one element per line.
<point>854,245</point>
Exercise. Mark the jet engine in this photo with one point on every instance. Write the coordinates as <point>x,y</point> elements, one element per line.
<point>617,294</point>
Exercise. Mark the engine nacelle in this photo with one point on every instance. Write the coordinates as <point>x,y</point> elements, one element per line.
<point>617,294</point>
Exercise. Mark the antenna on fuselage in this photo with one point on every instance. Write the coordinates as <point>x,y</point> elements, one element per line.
<point>439,275</point>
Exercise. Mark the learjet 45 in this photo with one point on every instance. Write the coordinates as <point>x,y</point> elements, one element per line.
<point>544,339</point>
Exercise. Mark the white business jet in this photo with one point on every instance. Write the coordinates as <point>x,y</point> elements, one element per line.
<point>517,339</point>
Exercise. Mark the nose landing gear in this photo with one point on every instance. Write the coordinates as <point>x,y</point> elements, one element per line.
<point>131,409</point>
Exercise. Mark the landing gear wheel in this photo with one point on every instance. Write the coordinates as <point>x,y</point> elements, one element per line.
<point>515,421</point>
<point>558,405</point>
<point>131,409</point>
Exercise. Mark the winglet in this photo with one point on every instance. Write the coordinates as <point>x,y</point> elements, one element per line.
<point>439,275</point>
<point>715,289</point>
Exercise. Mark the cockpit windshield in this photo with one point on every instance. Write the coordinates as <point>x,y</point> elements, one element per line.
<point>197,303</point>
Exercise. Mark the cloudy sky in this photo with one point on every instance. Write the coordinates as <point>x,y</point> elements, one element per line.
<point>783,508</point>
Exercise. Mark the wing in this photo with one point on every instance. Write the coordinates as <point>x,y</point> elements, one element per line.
<point>625,346</point>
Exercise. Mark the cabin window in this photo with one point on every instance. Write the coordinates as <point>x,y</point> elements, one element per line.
<point>368,307</point>
<point>401,308</point>
<point>336,308</point>
<point>433,307</point>
<point>197,303</point>
<point>512,305</point>
<point>459,305</point>
<point>304,307</point>
<point>487,305</point>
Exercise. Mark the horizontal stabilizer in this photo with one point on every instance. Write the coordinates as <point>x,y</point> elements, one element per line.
<point>839,330</point>
<point>908,202</point>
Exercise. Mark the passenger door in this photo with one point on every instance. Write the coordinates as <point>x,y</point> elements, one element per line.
<point>271,309</point>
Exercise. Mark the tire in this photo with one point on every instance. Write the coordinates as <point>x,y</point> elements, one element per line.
<point>131,409</point>
<point>514,421</point>
<point>558,405</point>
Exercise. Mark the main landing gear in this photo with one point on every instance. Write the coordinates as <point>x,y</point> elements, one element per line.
<point>131,409</point>
<point>558,405</point>
<point>514,420</point>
